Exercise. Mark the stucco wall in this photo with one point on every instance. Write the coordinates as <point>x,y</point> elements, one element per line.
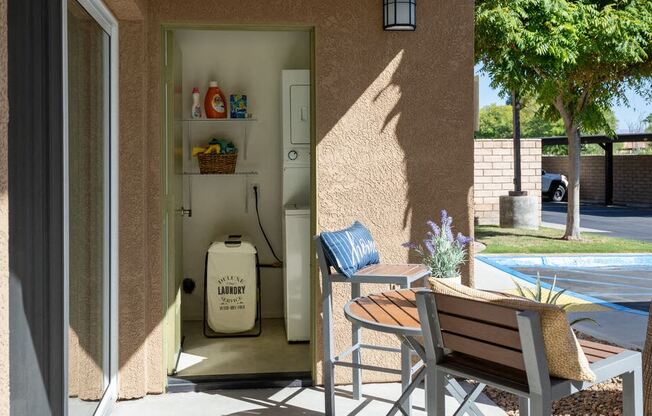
<point>4,219</point>
<point>394,135</point>
<point>140,301</point>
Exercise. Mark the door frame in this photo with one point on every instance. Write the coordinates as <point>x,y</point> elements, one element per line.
<point>103,16</point>
<point>314,270</point>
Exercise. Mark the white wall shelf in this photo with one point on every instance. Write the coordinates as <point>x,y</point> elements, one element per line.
<point>242,122</point>
<point>220,120</point>
<point>251,173</point>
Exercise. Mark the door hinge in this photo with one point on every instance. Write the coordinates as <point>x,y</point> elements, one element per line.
<point>184,212</point>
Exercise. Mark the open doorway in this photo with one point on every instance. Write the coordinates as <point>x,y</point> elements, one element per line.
<point>237,217</point>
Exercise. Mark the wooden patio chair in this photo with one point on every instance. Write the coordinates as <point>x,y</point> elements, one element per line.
<point>503,347</point>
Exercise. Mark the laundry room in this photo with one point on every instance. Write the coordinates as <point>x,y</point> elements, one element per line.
<point>237,217</point>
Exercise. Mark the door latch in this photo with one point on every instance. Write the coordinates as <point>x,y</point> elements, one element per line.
<point>184,212</point>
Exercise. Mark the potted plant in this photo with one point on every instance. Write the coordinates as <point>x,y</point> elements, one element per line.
<point>441,251</point>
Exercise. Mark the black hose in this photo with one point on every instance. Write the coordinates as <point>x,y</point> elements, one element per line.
<point>261,227</point>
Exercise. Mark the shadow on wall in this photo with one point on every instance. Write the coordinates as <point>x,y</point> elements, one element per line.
<point>394,139</point>
<point>402,151</point>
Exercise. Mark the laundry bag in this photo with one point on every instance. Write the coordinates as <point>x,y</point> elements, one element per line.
<point>231,286</point>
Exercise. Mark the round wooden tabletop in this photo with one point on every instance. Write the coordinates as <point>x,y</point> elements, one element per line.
<point>394,312</point>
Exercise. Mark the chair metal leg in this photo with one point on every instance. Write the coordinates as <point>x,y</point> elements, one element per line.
<point>540,406</point>
<point>356,338</point>
<point>633,393</point>
<point>469,400</point>
<point>406,369</point>
<point>457,391</point>
<point>327,330</point>
<point>435,390</point>
<point>419,376</point>
<point>523,406</point>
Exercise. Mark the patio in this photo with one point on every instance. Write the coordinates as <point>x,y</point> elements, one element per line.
<point>377,400</point>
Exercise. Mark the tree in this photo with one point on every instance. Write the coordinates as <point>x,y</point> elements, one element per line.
<point>496,122</point>
<point>575,58</point>
<point>648,123</point>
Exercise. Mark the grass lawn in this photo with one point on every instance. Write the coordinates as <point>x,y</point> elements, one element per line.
<point>547,240</point>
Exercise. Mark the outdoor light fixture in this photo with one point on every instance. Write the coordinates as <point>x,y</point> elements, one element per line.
<point>399,15</point>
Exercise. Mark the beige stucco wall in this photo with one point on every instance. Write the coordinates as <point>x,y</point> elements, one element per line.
<point>394,128</point>
<point>4,219</point>
<point>394,143</point>
<point>140,285</point>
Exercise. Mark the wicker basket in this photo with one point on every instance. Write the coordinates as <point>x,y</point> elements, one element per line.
<point>217,163</point>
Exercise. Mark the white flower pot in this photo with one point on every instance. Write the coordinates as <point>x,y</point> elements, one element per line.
<point>456,279</point>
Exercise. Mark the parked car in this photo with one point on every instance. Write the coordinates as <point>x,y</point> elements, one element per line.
<point>554,186</point>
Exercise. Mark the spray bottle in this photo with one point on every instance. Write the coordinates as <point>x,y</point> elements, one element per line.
<point>196,107</point>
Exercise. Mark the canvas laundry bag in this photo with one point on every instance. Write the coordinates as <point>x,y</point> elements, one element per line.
<point>231,286</point>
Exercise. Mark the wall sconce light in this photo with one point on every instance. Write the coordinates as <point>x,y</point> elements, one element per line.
<point>399,15</point>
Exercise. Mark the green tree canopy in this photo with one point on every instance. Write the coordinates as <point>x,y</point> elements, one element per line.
<point>574,58</point>
<point>496,123</point>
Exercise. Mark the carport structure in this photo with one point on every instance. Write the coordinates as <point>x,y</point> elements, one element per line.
<point>607,144</point>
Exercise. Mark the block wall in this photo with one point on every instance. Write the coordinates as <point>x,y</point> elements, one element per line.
<point>494,174</point>
<point>632,178</point>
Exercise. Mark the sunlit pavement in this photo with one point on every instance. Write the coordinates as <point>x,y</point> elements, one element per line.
<point>377,400</point>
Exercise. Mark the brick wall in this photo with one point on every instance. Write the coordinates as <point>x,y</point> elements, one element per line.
<point>632,178</point>
<point>494,174</point>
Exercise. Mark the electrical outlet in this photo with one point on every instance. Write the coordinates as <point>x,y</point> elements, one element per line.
<point>255,186</point>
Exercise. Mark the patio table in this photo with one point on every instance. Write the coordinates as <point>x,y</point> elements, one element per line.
<point>395,312</point>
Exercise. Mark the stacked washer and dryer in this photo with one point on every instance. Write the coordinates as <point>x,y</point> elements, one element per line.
<point>232,287</point>
<point>296,203</point>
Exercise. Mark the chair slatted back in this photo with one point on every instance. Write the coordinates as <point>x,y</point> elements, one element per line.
<point>479,329</point>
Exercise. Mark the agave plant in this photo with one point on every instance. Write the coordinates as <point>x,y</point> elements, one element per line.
<point>551,299</point>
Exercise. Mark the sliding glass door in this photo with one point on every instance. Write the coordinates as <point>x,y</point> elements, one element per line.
<point>91,238</point>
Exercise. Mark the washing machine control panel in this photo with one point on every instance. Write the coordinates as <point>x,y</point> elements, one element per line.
<point>298,155</point>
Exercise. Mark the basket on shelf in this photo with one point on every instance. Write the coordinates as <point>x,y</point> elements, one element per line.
<point>217,163</point>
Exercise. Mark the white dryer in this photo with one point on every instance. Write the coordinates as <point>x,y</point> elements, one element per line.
<point>296,273</point>
<point>296,203</point>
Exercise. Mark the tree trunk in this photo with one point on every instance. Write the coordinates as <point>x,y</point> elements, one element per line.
<point>647,368</point>
<point>573,192</point>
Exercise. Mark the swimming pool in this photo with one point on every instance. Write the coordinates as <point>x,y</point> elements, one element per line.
<point>622,282</point>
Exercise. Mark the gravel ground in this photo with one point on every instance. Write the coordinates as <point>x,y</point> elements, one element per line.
<point>601,399</point>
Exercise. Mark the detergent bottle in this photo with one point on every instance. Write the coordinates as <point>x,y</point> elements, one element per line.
<point>215,103</point>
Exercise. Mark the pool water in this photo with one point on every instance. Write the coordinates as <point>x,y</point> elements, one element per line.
<point>617,281</point>
<point>629,286</point>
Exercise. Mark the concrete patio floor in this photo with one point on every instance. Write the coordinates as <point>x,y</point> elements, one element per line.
<point>377,400</point>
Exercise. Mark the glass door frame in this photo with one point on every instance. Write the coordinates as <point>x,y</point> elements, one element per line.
<point>103,16</point>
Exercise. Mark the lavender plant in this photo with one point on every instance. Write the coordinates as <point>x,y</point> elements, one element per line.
<point>441,251</point>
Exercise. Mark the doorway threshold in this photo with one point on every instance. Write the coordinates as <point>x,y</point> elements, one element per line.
<point>177,384</point>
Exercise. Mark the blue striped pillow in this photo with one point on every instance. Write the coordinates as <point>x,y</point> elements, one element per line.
<point>350,249</point>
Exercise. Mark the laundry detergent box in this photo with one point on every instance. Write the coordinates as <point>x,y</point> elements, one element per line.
<point>238,106</point>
